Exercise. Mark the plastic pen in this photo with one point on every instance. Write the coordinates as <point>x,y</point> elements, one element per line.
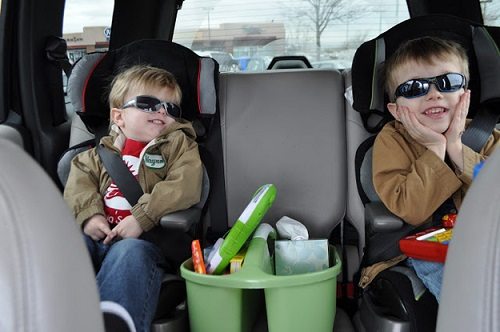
<point>431,234</point>
<point>198,264</point>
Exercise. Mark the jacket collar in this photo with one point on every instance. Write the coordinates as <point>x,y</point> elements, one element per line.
<point>116,138</point>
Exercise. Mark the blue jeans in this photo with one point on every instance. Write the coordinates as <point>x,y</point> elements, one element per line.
<point>431,274</point>
<point>129,272</point>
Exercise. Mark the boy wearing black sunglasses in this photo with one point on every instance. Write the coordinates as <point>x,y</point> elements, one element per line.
<point>160,150</point>
<point>421,169</point>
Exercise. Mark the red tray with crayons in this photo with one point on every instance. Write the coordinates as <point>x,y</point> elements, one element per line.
<point>431,244</point>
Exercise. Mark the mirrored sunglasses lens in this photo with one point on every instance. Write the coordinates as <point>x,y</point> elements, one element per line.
<point>146,103</point>
<point>450,82</point>
<point>414,88</point>
<point>173,110</point>
<point>144,107</point>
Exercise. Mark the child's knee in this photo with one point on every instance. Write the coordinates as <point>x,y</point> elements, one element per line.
<point>131,249</point>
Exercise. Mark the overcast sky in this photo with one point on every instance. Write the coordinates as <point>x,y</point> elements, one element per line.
<point>373,14</point>
<point>80,13</point>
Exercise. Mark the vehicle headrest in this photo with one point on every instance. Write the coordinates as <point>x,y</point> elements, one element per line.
<point>92,75</point>
<point>480,42</point>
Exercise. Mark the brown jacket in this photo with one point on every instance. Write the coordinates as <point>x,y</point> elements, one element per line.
<point>412,181</point>
<point>170,174</point>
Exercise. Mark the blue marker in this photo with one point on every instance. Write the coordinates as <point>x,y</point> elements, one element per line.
<point>477,168</point>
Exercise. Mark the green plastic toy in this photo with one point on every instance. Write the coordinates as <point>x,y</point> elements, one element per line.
<point>242,229</point>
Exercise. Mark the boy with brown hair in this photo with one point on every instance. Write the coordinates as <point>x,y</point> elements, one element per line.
<point>421,169</point>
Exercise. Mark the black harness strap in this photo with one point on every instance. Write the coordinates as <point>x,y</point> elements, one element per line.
<point>488,114</point>
<point>120,174</point>
<point>479,130</point>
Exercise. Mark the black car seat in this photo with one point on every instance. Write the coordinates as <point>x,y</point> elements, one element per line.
<point>197,77</point>
<point>388,302</point>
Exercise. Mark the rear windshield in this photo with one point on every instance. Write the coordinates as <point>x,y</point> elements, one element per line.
<point>251,33</point>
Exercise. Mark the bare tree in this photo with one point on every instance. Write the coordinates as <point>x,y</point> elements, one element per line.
<point>326,11</point>
<point>319,14</point>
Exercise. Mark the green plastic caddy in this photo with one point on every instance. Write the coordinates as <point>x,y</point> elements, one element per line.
<point>303,302</point>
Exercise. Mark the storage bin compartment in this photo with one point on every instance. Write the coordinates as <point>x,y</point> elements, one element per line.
<point>295,303</point>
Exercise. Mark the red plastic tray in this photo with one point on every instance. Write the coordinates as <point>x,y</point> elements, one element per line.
<point>425,249</point>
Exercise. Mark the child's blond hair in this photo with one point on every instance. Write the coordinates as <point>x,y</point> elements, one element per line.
<point>142,77</point>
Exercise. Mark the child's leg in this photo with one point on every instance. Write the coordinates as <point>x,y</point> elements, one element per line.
<point>131,275</point>
<point>431,274</point>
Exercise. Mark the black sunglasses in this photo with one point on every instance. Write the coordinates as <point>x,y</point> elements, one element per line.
<point>417,87</point>
<point>151,104</point>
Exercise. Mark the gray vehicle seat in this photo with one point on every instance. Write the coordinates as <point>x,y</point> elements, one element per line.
<point>11,134</point>
<point>286,127</point>
<point>46,277</point>
<point>289,62</point>
<point>471,291</point>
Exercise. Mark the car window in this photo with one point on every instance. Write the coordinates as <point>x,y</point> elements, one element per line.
<point>87,26</point>
<point>251,33</point>
<point>491,12</point>
<point>245,36</point>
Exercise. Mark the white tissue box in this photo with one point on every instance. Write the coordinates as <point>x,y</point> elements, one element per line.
<point>300,256</point>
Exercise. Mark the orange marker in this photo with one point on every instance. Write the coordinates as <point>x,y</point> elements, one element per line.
<point>198,264</point>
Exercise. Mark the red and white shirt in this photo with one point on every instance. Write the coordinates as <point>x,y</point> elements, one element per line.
<point>116,205</point>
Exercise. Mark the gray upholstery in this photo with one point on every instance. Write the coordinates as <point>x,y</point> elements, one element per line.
<point>64,164</point>
<point>76,84</point>
<point>356,134</point>
<point>11,134</point>
<point>46,278</point>
<point>78,77</point>
<point>79,133</point>
<point>470,297</point>
<point>366,176</point>
<point>286,127</point>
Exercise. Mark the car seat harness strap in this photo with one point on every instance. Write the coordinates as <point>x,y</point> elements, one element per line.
<point>484,122</point>
<point>120,174</point>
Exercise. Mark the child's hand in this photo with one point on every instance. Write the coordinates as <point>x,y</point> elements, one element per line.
<point>422,134</point>
<point>128,227</point>
<point>97,227</point>
<point>456,129</point>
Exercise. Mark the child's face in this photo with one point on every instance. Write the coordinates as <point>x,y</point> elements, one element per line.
<point>143,126</point>
<point>435,109</point>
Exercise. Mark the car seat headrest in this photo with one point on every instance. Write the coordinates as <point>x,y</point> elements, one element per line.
<point>92,75</point>
<point>289,62</point>
<point>367,85</point>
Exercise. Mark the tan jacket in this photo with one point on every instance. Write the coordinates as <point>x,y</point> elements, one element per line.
<point>170,174</point>
<point>412,181</point>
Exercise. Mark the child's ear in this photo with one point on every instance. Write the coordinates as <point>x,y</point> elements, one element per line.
<point>393,107</point>
<point>117,116</point>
